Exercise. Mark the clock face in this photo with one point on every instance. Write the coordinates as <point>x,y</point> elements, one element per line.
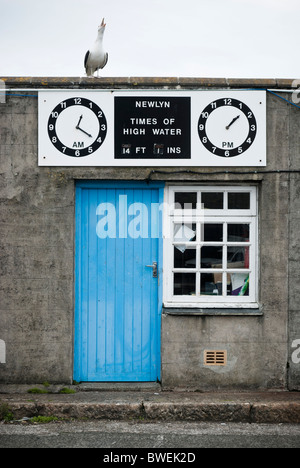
<point>227,127</point>
<point>77,127</point>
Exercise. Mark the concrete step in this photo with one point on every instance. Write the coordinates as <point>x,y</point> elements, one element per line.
<point>255,407</point>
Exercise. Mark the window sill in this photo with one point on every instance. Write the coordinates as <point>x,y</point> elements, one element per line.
<point>252,310</point>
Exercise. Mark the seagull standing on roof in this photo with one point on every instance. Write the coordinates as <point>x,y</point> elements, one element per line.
<point>96,57</point>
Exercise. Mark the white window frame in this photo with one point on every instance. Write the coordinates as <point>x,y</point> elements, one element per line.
<point>225,216</point>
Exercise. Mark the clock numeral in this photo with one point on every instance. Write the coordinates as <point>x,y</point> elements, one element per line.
<point>249,141</point>
<point>228,102</point>
<point>204,140</point>
<point>90,149</point>
<point>227,153</point>
<point>204,115</point>
<point>201,127</point>
<point>54,139</point>
<point>103,127</point>
<point>253,128</point>
<point>51,127</point>
<point>250,115</point>
<point>100,115</point>
<point>54,115</point>
<point>213,105</point>
<point>77,100</point>
<point>64,149</point>
<point>63,105</point>
<point>214,148</point>
<point>77,153</point>
<point>240,150</point>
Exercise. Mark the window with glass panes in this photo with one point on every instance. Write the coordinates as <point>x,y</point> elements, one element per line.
<point>211,245</point>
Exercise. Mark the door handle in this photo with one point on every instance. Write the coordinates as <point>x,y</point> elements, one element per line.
<point>154,267</point>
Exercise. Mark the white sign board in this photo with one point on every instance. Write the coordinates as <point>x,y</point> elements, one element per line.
<point>152,128</point>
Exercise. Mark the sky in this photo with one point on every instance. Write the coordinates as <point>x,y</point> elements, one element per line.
<point>176,38</point>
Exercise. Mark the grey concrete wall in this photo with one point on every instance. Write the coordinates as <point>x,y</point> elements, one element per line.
<point>37,261</point>
<point>37,224</point>
<point>294,253</point>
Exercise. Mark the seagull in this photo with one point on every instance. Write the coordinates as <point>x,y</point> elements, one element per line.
<point>96,57</point>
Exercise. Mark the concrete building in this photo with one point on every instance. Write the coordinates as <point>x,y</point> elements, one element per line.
<point>102,281</point>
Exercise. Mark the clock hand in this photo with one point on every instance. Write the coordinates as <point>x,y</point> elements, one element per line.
<point>80,118</point>
<point>88,134</point>
<point>78,128</point>
<point>232,122</point>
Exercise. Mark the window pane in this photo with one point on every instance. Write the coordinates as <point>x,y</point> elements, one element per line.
<point>186,198</point>
<point>237,257</point>
<point>212,200</point>
<point>238,201</point>
<point>184,257</point>
<point>184,284</point>
<point>184,232</point>
<point>238,232</point>
<point>211,257</point>
<point>239,284</point>
<point>208,287</point>
<point>212,232</point>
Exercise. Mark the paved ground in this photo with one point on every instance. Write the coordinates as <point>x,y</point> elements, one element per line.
<point>152,436</point>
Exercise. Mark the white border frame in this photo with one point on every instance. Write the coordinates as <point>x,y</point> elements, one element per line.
<point>225,215</point>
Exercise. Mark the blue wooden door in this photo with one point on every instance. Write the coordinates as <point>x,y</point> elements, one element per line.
<point>118,299</point>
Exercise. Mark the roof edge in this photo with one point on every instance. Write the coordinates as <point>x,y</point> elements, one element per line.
<point>148,82</point>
